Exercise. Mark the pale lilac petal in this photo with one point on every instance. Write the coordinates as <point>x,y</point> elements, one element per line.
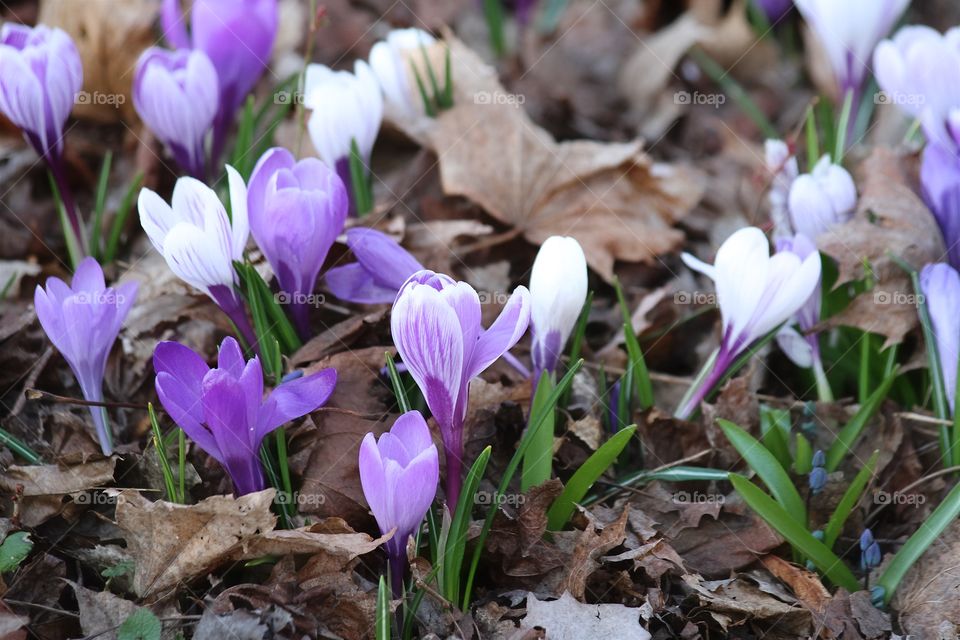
<point>506,330</point>
<point>225,413</point>
<point>380,254</point>
<point>239,222</point>
<point>230,357</point>
<point>373,481</point>
<point>940,285</point>
<point>795,346</point>
<point>353,283</point>
<point>296,398</point>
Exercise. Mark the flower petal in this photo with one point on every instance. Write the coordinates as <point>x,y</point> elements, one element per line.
<point>506,330</point>
<point>296,398</point>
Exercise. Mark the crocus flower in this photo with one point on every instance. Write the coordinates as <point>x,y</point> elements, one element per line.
<point>82,320</point>
<point>782,168</point>
<point>822,198</point>
<point>175,94</point>
<point>774,10</point>
<point>848,32</point>
<point>940,182</point>
<point>919,71</point>
<point>199,241</point>
<point>238,37</point>
<point>224,410</point>
<point>391,62</point>
<point>869,551</point>
<point>297,210</point>
<point>817,479</point>
<point>345,107</point>
<point>803,349</point>
<point>40,75</point>
<point>558,289</point>
<point>381,268</point>
<point>940,285</point>
<point>436,327</point>
<point>399,474</point>
<point>756,292</point>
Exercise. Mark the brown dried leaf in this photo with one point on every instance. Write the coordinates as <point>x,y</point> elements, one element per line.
<point>891,220</point>
<point>927,597</point>
<point>101,612</point>
<point>593,542</point>
<point>805,584</point>
<point>57,480</point>
<point>744,600</point>
<point>172,543</point>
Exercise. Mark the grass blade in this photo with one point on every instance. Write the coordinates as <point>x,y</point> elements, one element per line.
<point>398,390</point>
<point>795,533</point>
<point>538,460</point>
<point>849,500</point>
<point>453,550</point>
<point>99,202</point>
<point>120,218</point>
<point>641,376</point>
<point>765,465</point>
<point>383,611</point>
<point>588,473</point>
<point>162,455</point>
<point>775,430</point>
<point>851,431</point>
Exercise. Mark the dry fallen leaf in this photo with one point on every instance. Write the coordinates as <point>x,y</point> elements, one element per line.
<point>567,619</point>
<point>891,220</point>
<point>611,197</point>
<point>927,596</point>
<point>741,600</point>
<point>172,543</point>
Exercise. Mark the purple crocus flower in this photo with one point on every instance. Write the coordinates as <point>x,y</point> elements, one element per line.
<point>199,241</point>
<point>381,268</point>
<point>774,10</point>
<point>436,327</point>
<point>849,31</point>
<point>297,210</point>
<point>940,182</point>
<point>82,320</point>
<point>224,411</point>
<point>238,37</point>
<point>40,75</point>
<point>940,285</point>
<point>399,474</point>
<point>756,292</point>
<point>175,94</point>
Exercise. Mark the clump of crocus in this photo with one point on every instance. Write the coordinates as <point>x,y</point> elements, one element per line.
<point>869,551</point>
<point>393,63</point>
<point>82,320</point>
<point>199,241</point>
<point>558,289</point>
<point>940,285</point>
<point>381,268</point>
<point>756,292</point>
<point>399,474</point>
<point>175,94</point>
<point>821,199</point>
<point>237,36</point>
<point>224,410</point>
<point>297,210</point>
<point>848,32</point>
<point>436,327</point>
<point>40,76</point>
<point>346,109</point>
<point>817,479</point>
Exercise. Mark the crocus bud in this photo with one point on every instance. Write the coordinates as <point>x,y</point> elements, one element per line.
<point>782,168</point>
<point>175,94</point>
<point>82,321</point>
<point>40,75</point>
<point>199,241</point>
<point>869,551</point>
<point>297,210</point>
<point>223,409</point>
<point>345,107</point>
<point>919,71</point>
<point>803,350</point>
<point>940,182</point>
<point>822,198</point>
<point>848,32</point>
<point>381,268</point>
<point>237,35</point>
<point>940,285</point>
<point>756,292</point>
<point>558,289</point>
<point>817,479</point>
<point>436,327</point>
<point>391,62</point>
<point>399,474</point>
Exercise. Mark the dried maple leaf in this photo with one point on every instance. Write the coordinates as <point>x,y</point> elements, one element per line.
<point>611,197</point>
<point>568,619</point>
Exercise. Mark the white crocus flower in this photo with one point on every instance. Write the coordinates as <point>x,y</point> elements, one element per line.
<point>391,60</point>
<point>558,289</point>
<point>821,199</point>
